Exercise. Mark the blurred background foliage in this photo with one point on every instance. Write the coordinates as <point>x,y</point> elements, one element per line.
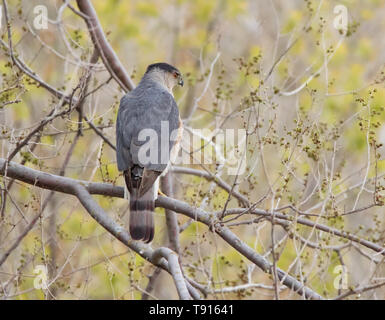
<point>338,115</point>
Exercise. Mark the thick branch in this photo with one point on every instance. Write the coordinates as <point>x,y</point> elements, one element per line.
<point>108,55</point>
<point>84,189</point>
<point>174,268</point>
<point>171,218</point>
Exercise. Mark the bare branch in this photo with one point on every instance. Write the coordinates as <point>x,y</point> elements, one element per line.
<point>171,218</point>
<point>309,223</point>
<point>175,270</point>
<point>84,189</point>
<point>108,55</point>
<point>211,177</point>
<point>151,282</point>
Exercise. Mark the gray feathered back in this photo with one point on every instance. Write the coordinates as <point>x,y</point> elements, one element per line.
<point>145,108</point>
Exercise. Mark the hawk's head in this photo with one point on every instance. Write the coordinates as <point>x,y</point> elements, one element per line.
<point>165,73</point>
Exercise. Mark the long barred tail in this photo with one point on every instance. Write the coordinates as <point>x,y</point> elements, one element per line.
<point>142,217</point>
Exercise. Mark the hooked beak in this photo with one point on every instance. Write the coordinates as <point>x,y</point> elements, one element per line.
<point>180,81</point>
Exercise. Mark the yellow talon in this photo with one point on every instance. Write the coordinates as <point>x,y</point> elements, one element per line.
<point>161,193</point>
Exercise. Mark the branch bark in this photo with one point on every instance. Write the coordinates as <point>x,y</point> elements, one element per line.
<point>171,218</point>
<point>108,55</point>
<point>175,269</point>
<point>83,190</point>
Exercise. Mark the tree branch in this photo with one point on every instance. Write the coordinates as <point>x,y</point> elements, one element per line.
<point>211,177</point>
<point>108,55</point>
<point>175,269</point>
<point>171,218</point>
<point>309,223</point>
<point>84,189</point>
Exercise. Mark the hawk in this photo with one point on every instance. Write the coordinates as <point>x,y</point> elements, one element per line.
<point>149,108</point>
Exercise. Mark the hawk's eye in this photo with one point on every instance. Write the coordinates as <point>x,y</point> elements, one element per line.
<point>175,74</point>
